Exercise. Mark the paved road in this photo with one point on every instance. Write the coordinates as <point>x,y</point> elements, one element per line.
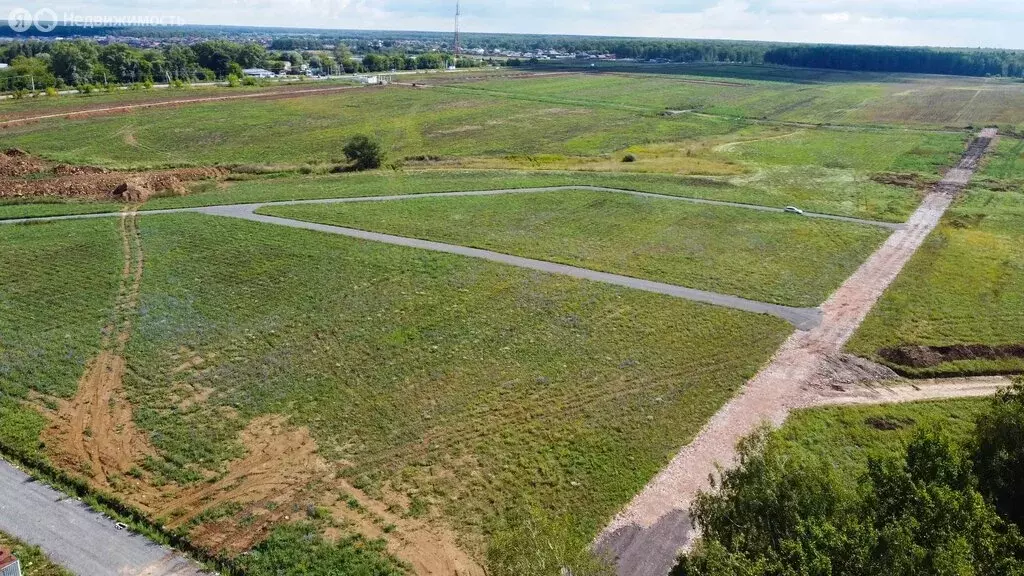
<point>802,318</point>
<point>79,539</point>
<point>719,203</point>
<point>645,538</point>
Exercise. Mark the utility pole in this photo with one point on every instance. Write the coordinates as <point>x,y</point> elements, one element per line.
<point>458,15</point>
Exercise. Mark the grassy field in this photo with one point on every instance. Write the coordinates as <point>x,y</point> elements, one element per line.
<point>472,121</point>
<point>962,288</point>
<point>55,297</point>
<point>783,94</point>
<point>1006,163</point>
<point>769,257</point>
<point>314,129</point>
<point>33,561</point>
<point>846,436</point>
<point>830,191</point>
<point>473,387</point>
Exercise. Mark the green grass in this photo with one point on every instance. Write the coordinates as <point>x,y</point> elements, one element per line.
<point>963,287</point>
<point>56,294</point>
<point>301,550</point>
<point>33,561</point>
<point>43,207</point>
<point>315,128</point>
<point>762,256</point>
<point>925,153</point>
<point>1006,162</point>
<point>10,108</point>
<point>779,94</point>
<point>841,192</point>
<point>478,387</point>
<point>845,436</point>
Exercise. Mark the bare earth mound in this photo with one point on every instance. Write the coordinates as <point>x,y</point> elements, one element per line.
<point>22,175</point>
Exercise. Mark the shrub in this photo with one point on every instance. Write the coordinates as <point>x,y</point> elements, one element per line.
<point>233,81</point>
<point>629,158</point>
<point>999,453</point>
<point>914,513</point>
<point>52,92</point>
<point>364,153</point>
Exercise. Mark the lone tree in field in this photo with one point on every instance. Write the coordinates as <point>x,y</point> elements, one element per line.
<point>364,153</point>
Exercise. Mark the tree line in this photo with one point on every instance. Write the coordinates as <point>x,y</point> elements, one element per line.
<point>940,506</point>
<point>896,59</point>
<point>40,65</point>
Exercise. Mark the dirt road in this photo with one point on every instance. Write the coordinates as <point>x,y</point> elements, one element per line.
<point>98,111</point>
<point>919,391</point>
<point>645,538</point>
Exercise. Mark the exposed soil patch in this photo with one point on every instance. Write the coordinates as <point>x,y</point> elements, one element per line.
<point>930,356</point>
<point>22,175</point>
<point>94,431</point>
<point>839,372</point>
<point>15,163</point>
<point>912,181</point>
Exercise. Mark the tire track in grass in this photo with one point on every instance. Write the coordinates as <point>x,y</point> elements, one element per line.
<point>94,431</point>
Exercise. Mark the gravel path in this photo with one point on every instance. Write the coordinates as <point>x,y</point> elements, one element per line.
<point>78,538</point>
<point>645,538</point>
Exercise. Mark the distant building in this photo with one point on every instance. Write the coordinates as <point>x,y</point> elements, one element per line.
<point>9,565</point>
<point>2,65</point>
<point>258,73</point>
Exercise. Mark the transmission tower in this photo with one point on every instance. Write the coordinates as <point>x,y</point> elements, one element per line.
<point>458,15</point>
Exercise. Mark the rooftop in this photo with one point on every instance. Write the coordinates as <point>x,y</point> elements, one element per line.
<point>6,558</point>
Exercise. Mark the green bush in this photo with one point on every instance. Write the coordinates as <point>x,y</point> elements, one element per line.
<point>301,549</point>
<point>919,512</point>
<point>999,453</point>
<point>233,81</point>
<point>364,153</point>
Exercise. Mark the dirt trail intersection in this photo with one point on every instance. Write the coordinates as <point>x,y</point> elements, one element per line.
<point>645,538</point>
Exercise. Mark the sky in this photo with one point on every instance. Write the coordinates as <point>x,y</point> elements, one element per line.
<point>972,23</point>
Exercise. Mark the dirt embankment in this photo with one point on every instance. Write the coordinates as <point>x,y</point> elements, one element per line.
<point>931,356</point>
<point>22,175</point>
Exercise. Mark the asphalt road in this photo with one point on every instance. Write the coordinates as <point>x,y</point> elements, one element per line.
<point>719,203</point>
<point>79,539</point>
<point>802,318</point>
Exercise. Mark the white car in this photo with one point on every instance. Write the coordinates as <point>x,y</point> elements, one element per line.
<point>793,210</point>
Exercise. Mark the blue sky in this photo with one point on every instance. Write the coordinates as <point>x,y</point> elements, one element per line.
<point>991,23</point>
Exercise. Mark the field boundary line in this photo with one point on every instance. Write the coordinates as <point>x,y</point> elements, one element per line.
<point>535,190</point>
<point>167,103</point>
<point>802,318</point>
<point>645,538</point>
